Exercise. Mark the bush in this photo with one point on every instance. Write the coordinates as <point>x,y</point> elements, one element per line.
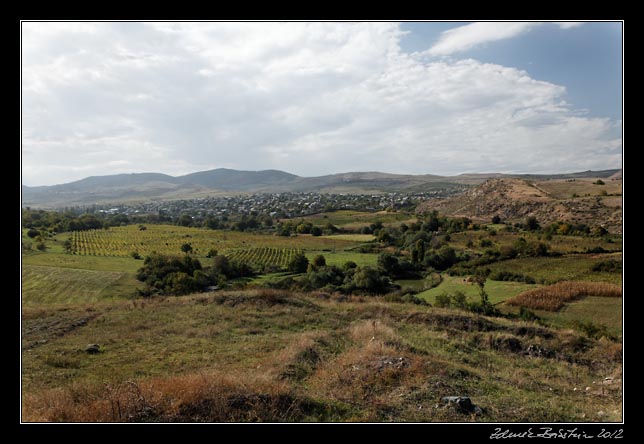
<point>443,300</point>
<point>172,275</point>
<point>528,315</point>
<point>135,255</point>
<point>593,330</point>
<point>609,266</point>
<point>411,299</point>
<point>510,276</point>
<point>459,300</point>
<point>316,231</point>
<point>485,243</point>
<point>531,223</point>
<point>319,261</point>
<point>33,233</point>
<point>298,264</point>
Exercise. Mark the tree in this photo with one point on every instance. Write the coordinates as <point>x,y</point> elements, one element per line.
<point>185,220</point>
<point>496,219</point>
<point>420,249</point>
<point>316,231</point>
<point>186,248</point>
<point>33,233</point>
<point>298,263</point>
<point>319,261</point>
<point>599,182</point>
<point>532,223</point>
<point>369,279</point>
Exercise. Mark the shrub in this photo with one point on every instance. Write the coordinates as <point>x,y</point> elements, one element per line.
<point>411,299</point>
<point>609,266</point>
<point>459,300</point>
<point>33,233</point>
<point>593,330</point>
<point>510,276</point>
<point>528,315</point>
<point>135,255</point>
<point>298,263</point>
<point>443,300</point>
<point>485,243</point>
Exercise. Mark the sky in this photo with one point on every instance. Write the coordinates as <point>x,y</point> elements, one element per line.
<point>319,98</point>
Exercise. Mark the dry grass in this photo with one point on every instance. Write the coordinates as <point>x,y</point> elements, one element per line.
<point>554,297</point>
<point>277,356</point>
<point>215,397</point>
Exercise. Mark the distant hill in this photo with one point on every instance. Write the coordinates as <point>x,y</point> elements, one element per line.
<point>576,199</point>
<point>141,187</point>
<point>234,180</point>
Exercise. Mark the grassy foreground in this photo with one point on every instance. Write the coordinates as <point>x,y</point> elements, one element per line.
<point>261,355</point>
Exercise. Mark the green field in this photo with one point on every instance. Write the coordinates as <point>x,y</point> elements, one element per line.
<point>354,220</point>
<point>565,268</point>
<point>339,258</point>
<point>598,310</point>
<point>497,291</point>
<point>68,285</point>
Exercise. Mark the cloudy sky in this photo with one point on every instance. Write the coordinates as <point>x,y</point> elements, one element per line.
<point>319,98</point>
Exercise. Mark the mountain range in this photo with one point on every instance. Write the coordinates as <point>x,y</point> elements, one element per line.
<point>141,187</point>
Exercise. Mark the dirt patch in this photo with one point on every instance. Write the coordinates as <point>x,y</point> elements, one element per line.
<point>36,332</point>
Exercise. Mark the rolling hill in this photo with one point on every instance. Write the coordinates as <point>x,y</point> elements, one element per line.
<point>140,187</point>
<point>576,200</point>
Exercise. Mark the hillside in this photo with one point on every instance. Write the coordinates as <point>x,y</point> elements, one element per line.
<point>576,201</point>
<point>143,187</point>
<point>275,356</point>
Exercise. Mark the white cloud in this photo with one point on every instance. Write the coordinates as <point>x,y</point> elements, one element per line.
<point>568,25</point>
<point>469,36</point>
<point>309,98</point>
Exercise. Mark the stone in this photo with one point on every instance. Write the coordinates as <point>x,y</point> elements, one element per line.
<point>462,404</point>
<point>93,349</point>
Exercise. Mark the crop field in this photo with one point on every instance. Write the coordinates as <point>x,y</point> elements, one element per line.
<point>168,239</point>
<point>565,268</point>
<point>554,297</point>
<point>261,257</point>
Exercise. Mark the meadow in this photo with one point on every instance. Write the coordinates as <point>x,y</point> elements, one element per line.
<point>257,354</point>
<point>261,355</point>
